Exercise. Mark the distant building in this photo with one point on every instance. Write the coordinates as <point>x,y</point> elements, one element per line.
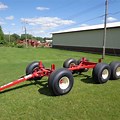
<point>89,39</point>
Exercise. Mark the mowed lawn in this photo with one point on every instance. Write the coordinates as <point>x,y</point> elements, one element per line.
<point>33,101</point>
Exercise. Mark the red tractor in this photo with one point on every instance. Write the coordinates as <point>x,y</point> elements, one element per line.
<point>61,81</point>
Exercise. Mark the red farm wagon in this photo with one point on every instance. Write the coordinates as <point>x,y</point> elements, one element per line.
<point>60,81</point>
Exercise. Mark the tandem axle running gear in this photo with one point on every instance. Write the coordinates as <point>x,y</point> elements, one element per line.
<point>61,81</point>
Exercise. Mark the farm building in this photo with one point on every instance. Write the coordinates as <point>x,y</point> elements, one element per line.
<point>89,39</point>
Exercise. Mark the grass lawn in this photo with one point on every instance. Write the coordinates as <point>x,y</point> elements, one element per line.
<point>33,101</point>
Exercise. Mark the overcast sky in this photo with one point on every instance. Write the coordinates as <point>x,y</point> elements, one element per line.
<point>42,17</point>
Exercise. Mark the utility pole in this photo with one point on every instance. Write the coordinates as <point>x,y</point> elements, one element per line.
<point>105,28</point>
<point>26,37</point>
<point>25,31</point>
<point>9,38</point>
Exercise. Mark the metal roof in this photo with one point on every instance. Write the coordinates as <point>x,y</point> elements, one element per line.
<point>92,27</point>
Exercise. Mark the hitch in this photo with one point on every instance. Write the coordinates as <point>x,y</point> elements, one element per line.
<point>16,82</point>
<point>40,72</point>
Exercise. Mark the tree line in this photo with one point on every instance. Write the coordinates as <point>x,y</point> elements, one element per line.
<point>6,39</point>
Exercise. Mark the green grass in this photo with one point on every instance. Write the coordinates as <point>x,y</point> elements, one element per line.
<point>31,101</point>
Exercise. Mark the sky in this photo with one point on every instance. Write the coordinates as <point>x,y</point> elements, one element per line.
<point>43,17</point>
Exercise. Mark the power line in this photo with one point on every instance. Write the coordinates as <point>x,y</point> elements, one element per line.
<point>92,19</point>
<point>118,12</point>
<point>89,10</point>
<point>79,13</point>
<point>78,24</point>
<point>85,11</point>
<point>98,6</point>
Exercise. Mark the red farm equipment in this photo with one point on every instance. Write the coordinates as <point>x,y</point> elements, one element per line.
<point>61,81</point>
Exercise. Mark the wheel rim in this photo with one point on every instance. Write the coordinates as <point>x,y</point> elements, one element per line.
<point>118,71</point>
<point>64,82</point>
<point>72,64</point>
<point>35,69</point>
<point>105,74</point>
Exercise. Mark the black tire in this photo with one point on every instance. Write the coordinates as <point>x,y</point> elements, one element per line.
<point>101,73</point>
<point>69,63</point>
<point>60,81</point>
<point>32,67</point>
<point>115,70</point>
<point>82,70</point>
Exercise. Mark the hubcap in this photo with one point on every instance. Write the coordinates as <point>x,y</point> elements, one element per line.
<point>118,71</point>
<point>64,82</point>
<point>105,74</point>
<point>72,64</point>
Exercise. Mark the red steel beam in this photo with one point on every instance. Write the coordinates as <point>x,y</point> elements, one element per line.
<point>82,65</point>
<point>16,82</point>
<point>40,73</point>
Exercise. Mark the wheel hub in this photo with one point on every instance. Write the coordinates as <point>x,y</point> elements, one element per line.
<point>64,82</point>
<point>72,64</point>
<point>105,74</point>
<point>118,71</point>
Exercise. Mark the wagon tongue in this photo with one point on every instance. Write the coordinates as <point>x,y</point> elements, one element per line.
<point>16,82</point>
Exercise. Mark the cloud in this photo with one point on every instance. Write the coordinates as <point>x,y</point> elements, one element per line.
<point>44,25</point>
<point>84,25</point>
<point>111,19</point>
<point>2,21</point>
<point>38,32</point>
<point>9,17</point>
<point>42,8</point>
<point>13,24</point>
<point>48,22</point>
<point>3,6</point>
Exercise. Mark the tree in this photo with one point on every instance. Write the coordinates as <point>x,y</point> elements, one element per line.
<point>39,38</point>
<point>16,36</point>
<point>1,36</point>
<point>24,36</point>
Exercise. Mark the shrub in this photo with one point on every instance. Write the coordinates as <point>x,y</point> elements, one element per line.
<point>20,46</point>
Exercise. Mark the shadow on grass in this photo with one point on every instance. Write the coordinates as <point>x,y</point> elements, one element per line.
<point>85,78</point>
<point>44,88</point>
<point>42,85</point>
<point>18,87</point>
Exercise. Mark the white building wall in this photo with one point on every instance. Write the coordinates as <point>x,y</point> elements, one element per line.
<point>88,38</point>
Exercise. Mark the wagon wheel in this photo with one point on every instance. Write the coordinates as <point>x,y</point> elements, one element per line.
<point>32,67</point>
<point>115,70</point>
<point>101,73</point>
<point>71,62</point>
<point>60,81</point>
